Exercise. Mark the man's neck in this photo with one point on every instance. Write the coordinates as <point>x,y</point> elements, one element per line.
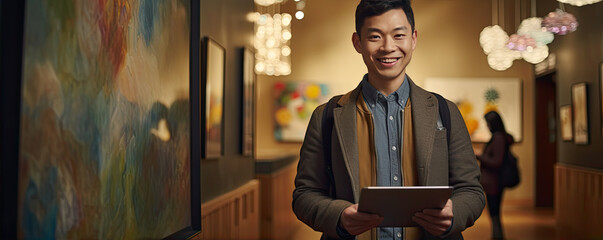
<point>386,87</point>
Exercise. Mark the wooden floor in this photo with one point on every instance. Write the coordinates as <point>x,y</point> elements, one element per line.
<point>520,221</point>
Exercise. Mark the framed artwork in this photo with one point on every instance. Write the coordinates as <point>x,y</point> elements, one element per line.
<point>601,93</point>
<point>293,107</point>
<point>212,93</point>
<point>580,110</point>
<point>104,143</point>
<point>477,96</point>
<point>565,117</point>
<point>248,102</point>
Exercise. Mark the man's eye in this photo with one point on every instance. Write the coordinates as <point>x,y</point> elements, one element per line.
<point>399,35</point>
<point>373,37</point>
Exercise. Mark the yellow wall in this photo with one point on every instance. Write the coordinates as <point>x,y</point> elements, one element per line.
<point>448,46</point>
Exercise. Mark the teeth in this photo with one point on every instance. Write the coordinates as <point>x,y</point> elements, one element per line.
<point>388,60</point>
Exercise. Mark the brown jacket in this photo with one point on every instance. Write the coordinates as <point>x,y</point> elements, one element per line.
<point>437,164</point>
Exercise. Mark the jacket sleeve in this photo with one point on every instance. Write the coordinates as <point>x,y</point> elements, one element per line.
<point>311,201</point>
<point>468,199</point>
<point>494,153</point>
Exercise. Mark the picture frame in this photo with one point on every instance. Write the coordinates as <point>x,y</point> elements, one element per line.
<point>213,62</point>
<point>601,93</point>
<point>116,163</point>
<point>580,113</point>
<point>476,96</point>
<point>565,120</point>
<point>248,80</point>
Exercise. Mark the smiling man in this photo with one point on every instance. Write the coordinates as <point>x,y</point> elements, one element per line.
<point>386,132</point>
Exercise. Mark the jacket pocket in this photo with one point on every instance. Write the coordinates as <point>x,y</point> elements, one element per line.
<point>439,134</point>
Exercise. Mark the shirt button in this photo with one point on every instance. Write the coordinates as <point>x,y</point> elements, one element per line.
<point>395,178</point>
<point>394,148</point>
<point>403,110</point>
<point>399,235</point>
<point>391,118</point>
<point>372,105</point>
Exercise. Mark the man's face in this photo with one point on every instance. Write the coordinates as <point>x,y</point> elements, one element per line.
<point>386,43</point>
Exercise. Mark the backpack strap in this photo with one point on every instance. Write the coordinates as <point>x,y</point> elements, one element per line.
<point>327,130</point>
<point>444,114</point>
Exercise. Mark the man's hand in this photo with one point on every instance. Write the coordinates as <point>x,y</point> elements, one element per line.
<point>358,222</point>
<point>435,221</point>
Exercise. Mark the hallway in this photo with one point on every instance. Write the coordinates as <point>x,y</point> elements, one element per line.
<point>520,221</point>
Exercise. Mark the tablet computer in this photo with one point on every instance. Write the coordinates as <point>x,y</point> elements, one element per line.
<point>397,205</point>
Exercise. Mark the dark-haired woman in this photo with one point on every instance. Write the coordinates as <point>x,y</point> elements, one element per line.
<point>491,159</point>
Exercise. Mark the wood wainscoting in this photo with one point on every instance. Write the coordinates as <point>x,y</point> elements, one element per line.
<point>234,215</point>
<point>277,219</point>
<point>579,201</point>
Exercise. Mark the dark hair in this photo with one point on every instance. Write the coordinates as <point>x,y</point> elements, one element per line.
<point>495,122</point>
<point>370,8</point>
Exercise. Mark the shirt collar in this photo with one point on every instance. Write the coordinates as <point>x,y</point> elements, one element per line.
<point>371,94</point>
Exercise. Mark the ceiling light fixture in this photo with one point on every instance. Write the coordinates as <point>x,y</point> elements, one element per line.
<point>579,2</point>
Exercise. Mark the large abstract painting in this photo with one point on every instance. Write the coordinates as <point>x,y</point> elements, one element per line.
<point>293,107</point>
<point>105,127</point>
<point>477,96</point>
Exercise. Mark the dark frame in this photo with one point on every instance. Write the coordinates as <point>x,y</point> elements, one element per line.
<point>212,75</point>
<point>580,113</point>
<point>12,15</point>
<point>565,121</point>
<point>248,81</point>
<point>601,93</point>
<point>195,141</point>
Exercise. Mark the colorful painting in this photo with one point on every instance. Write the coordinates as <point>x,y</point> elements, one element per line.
<point>105,129</point>
<point>580,117</point>
<point>293,107</point>
<point>213,62</point>
<point>477,96</point>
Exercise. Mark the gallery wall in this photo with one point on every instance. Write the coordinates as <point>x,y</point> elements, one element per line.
<point>579,56</point>
<point>447,46</point>
<point>225,22</point>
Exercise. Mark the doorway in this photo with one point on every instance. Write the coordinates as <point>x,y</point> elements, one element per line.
<point>546,138</point>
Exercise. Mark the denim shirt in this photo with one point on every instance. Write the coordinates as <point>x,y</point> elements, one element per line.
<point>387,112</point>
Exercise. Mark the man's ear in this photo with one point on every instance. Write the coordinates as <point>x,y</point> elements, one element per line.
<point>414,39</point>
<point>356,42</point>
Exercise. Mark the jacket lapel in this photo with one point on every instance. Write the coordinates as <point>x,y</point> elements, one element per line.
<point>424,114</point>
<point>345,127</point>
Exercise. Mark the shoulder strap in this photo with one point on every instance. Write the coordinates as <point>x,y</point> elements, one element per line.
<point>444,114</point>
<point>327,130</point>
